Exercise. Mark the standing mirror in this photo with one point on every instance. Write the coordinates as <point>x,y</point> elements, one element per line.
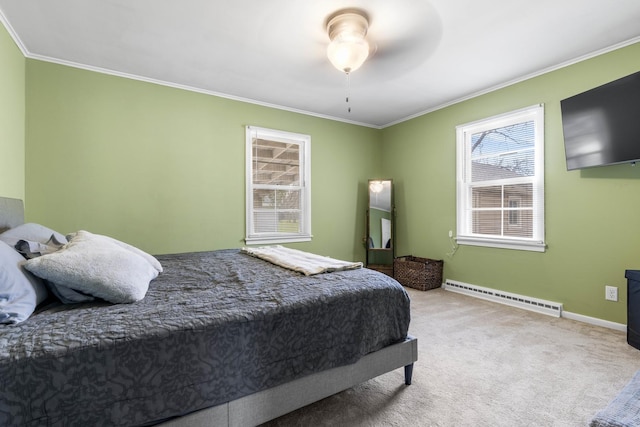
<point>380,226</point>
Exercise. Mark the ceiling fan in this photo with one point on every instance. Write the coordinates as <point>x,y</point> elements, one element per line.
<point>393,43</point>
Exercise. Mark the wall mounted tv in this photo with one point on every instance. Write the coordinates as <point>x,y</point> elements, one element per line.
<point>602,125</point>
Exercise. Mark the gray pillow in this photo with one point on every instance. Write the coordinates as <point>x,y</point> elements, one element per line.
<point>67,295</point>
<point>93,265</point>
<point>31,232</point>
<point>20,291</point>
<point>30,249</point>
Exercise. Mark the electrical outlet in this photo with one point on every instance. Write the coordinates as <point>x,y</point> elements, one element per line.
<point>611,293</point>
<point>450,233</point>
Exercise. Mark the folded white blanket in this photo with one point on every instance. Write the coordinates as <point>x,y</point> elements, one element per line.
<point>303,262</point>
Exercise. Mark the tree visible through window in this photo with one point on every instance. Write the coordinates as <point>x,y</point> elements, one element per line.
<point>500,181</point>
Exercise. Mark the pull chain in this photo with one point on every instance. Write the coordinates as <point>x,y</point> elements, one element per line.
<point>348,91</point>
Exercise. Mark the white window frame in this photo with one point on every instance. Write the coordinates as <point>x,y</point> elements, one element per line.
<point>465,235</point>
<point>304,142</point>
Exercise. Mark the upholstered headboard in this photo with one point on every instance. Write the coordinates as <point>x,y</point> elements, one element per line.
<point>11,213</point>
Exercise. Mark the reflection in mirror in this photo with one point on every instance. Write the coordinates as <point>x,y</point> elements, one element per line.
<point>380,215</point>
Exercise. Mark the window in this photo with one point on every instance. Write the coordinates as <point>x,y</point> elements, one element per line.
<point>514,211</point>
<point>278,186</point>
<point>500,181</point>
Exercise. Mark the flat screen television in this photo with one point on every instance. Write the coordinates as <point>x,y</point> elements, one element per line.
<point>602,126</point>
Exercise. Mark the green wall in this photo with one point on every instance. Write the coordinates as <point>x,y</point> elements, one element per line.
<point>12,118</point>
<point>592,216</point>
<point>163,168</point>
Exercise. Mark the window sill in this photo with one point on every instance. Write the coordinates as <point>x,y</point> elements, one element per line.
<point>522,245</point>
<point>270,240</point>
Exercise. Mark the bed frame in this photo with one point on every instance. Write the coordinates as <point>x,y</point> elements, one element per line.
<point>268,404</point>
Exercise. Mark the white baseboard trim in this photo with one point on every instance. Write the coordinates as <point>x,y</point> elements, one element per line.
<point>595,321</point>
<point>497,296</point>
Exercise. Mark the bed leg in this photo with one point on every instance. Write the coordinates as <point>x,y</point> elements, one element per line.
<point>408,373</point>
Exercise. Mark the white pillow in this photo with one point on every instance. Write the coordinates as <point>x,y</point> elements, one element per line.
<point>150,258</point>
<point>96,266</point>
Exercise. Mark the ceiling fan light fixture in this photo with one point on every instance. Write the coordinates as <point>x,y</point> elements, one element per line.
<point>348,48</point>
<point>376,186</point>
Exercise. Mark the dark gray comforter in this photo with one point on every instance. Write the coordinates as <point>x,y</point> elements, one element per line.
<point>213,327</point>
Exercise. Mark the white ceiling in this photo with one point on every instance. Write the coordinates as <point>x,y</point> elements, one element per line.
<point>272,52</point>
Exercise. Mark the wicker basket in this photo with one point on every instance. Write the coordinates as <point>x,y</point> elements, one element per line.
<point>418,273</point>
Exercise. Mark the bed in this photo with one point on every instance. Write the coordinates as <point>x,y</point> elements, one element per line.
<point>220,338</point>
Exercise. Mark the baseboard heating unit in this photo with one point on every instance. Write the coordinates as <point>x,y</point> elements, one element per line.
<point>533,304</point>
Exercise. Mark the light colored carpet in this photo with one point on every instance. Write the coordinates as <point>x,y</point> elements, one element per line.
<point>486,364</point>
